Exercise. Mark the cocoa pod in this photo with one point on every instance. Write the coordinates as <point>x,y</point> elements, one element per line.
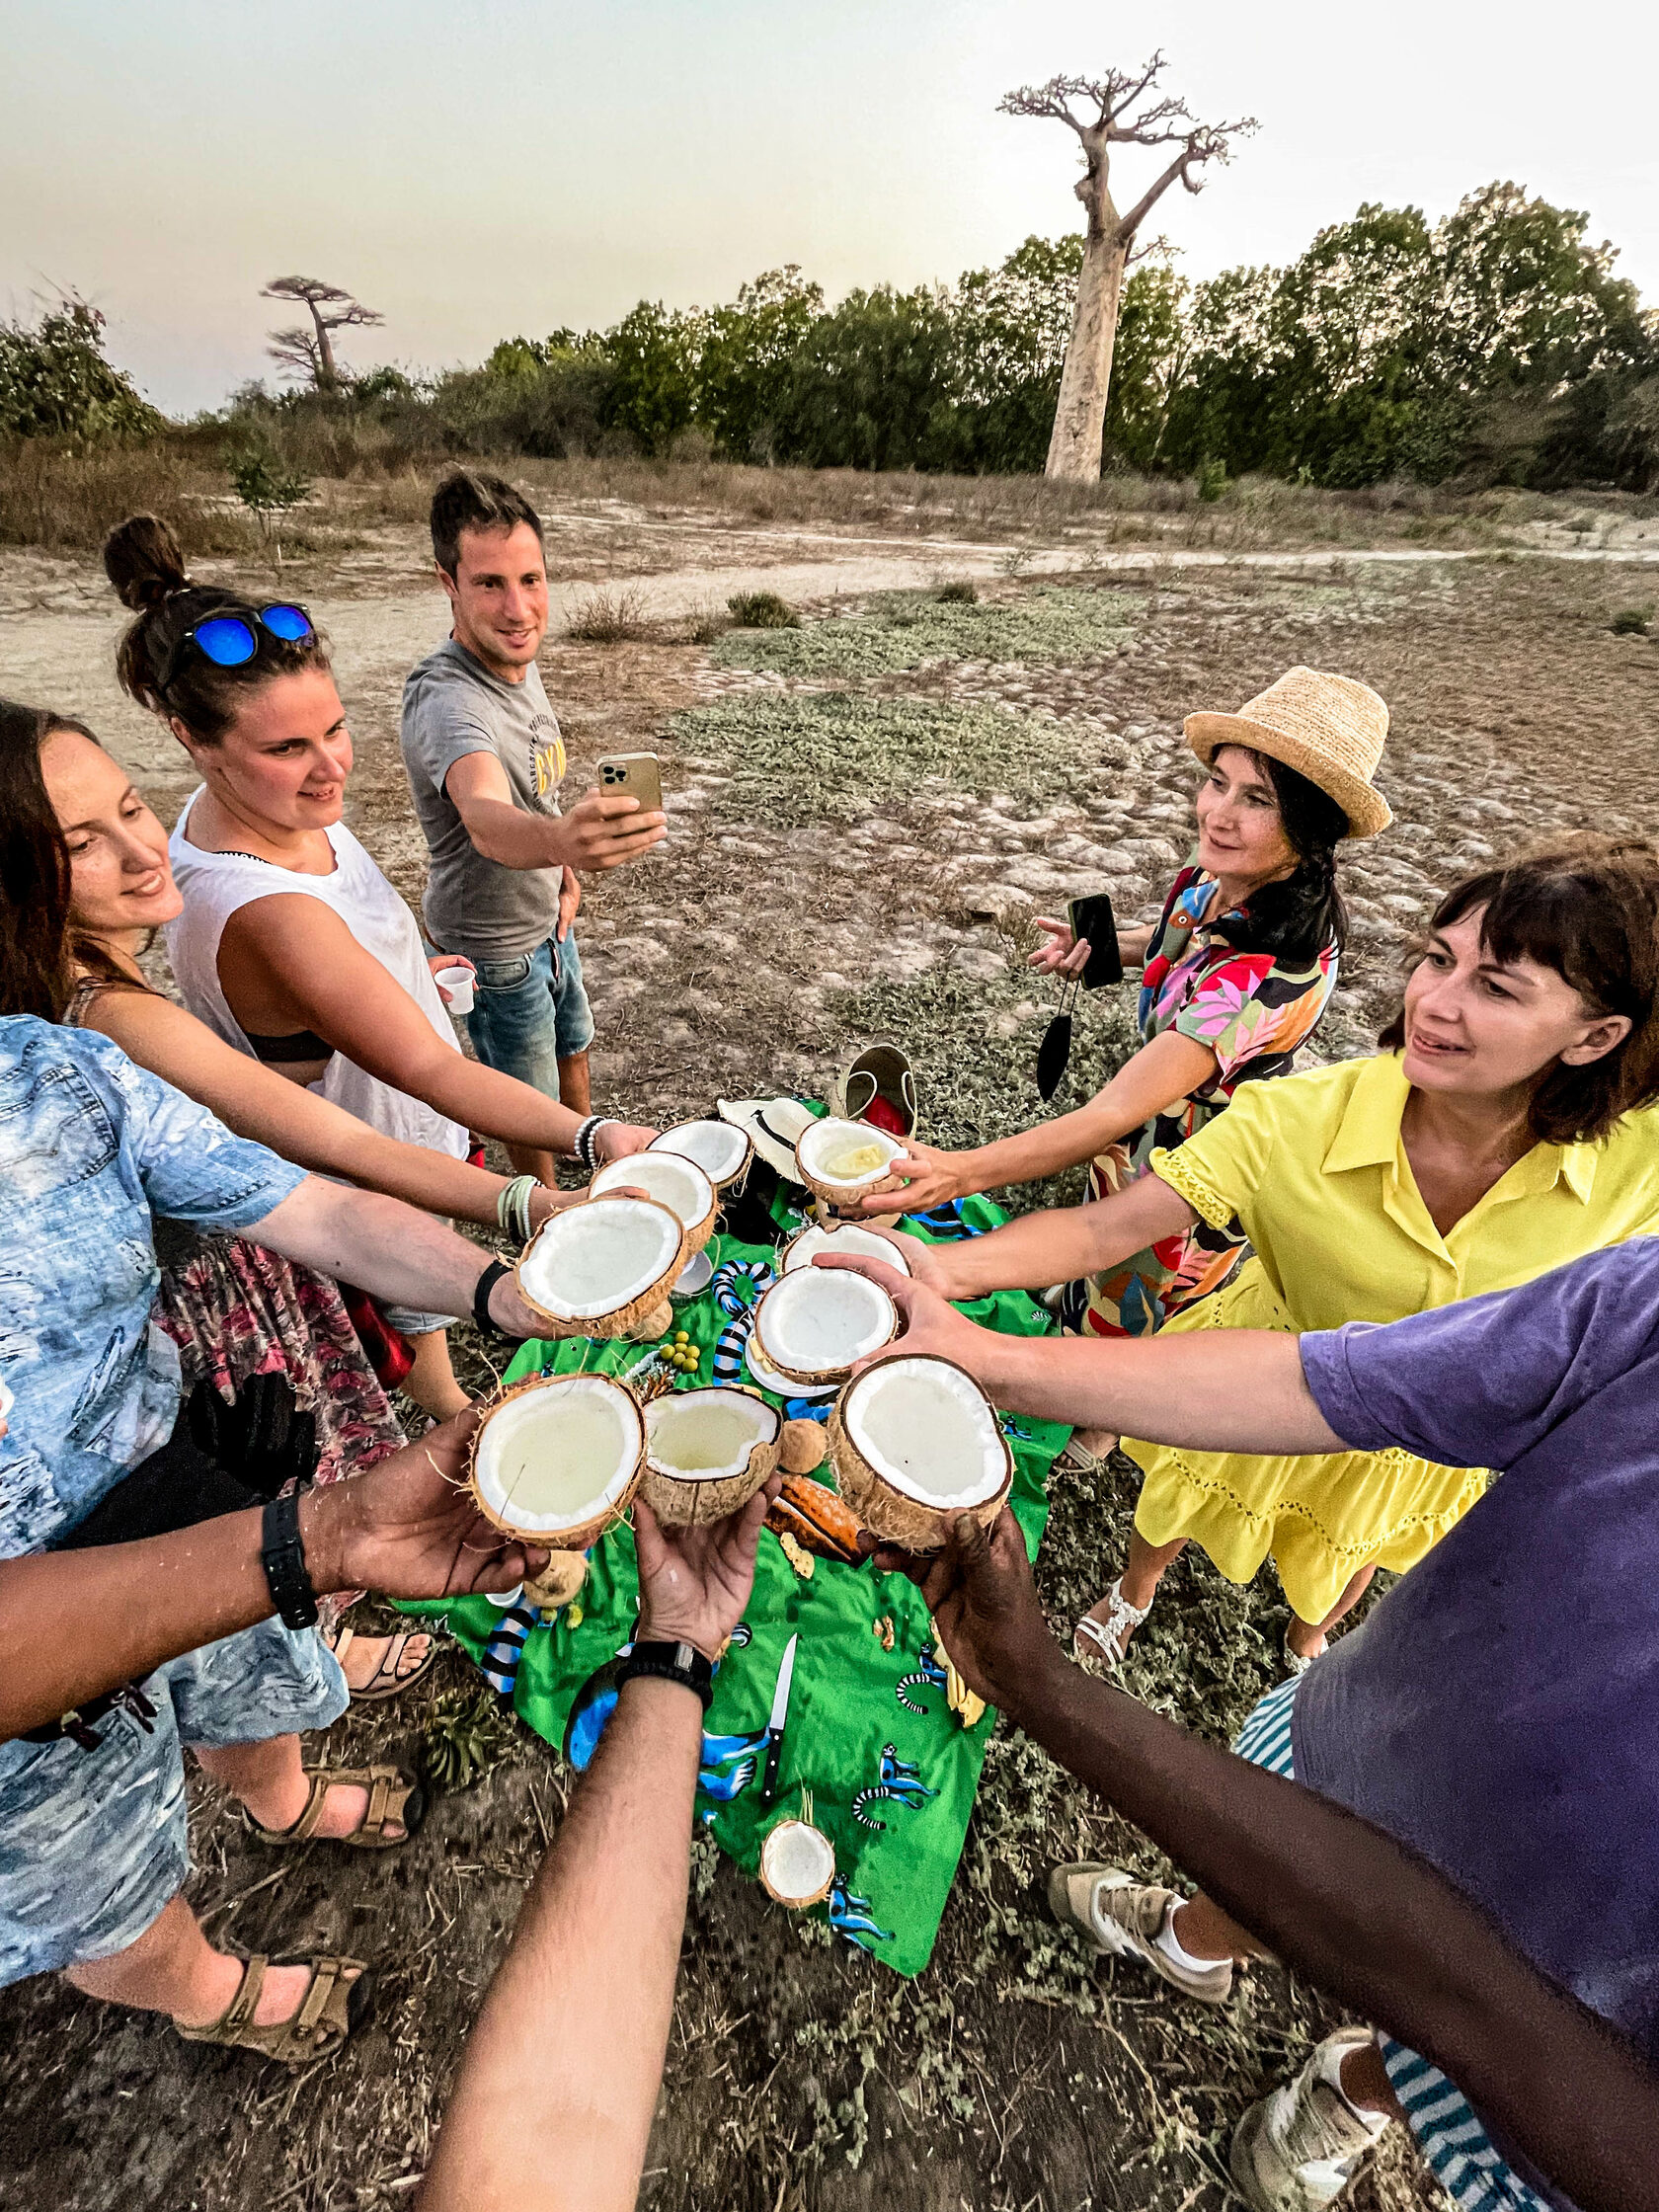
<point>818,1520</point>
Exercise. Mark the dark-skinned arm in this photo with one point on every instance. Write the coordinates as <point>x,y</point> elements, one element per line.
<point>407,1529</point>
<point>1367,1921</point>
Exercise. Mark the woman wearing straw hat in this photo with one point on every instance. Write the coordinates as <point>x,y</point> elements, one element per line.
<point>1236,972</point>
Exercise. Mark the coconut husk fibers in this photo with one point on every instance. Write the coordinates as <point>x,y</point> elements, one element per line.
<point>889,1514</point>
<point>582,1536</point>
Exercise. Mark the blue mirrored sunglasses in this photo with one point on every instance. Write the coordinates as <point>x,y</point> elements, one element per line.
<point>229,639</point>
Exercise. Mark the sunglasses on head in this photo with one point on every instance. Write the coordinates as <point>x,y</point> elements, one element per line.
<point>231,639</point>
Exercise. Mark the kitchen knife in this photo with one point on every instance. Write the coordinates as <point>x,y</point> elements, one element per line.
<point>775,1728</point>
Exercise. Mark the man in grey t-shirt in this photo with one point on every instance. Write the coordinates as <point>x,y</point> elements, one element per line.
<point>485,762</point>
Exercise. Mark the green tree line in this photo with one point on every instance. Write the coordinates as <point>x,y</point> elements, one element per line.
<point>1496,344</point>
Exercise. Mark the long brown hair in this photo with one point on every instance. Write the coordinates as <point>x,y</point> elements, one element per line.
<point>143,561</point>
<point>1588,908</point>
<point>40,947</point>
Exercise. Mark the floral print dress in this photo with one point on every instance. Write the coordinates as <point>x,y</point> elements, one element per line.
<point>1253,1010</point>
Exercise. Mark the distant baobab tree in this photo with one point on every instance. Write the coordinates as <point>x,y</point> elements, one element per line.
<point>1075,446</point>
<point>310,353</point>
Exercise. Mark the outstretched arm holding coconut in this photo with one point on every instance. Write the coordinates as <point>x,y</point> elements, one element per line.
<point>575,2024</point>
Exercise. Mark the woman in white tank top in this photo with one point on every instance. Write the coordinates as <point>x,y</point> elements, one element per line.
<point>293,945</point>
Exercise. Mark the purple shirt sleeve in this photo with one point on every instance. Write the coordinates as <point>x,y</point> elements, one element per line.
<point>1480,1382</point>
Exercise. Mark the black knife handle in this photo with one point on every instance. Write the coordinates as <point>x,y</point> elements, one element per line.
<point>769,1780</point>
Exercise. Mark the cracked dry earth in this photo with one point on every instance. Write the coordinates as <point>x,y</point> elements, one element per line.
<point>1011,2077</point>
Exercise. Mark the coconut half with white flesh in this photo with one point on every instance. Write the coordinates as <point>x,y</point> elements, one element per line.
<point>916,1443</point>
<point>845,1163</point>
<point>797,1864</point>
<point>720,1148</point>
<point>859,1243</point>
<point>817,1323</point>
<point>602,1268</point>
<point>557,1458</point>
<point>707,1452</point>
<point>679,1184</point>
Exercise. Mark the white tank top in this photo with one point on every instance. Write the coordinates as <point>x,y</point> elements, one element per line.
<point>216,884</point>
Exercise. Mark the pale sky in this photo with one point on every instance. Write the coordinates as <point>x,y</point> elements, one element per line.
<point>486,167</point>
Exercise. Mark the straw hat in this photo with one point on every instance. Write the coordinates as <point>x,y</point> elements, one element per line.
<point>1328,728</point>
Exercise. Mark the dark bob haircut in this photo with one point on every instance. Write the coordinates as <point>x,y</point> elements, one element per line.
<point>1588,908</point>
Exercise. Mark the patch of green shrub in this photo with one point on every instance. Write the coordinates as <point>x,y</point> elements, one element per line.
<point>1213,480</point>
<point>1631,621</point>
<point>961,591</point>
<point>837,754</point>
<point>904,629</point>
<point>762,610</point>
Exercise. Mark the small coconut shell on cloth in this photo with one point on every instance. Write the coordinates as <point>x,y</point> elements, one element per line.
<point>842,1163</point>
<point>845,1239</point>
<point>707,1452</point>
<point>816,1322</point>
<point>603,1268</point>
<point>804,1446</point>
<point>916,1443</point>
<point>557,1459</point>
<point>720,1150</point>
<point>797,1864</point>
<point>676,1183</point>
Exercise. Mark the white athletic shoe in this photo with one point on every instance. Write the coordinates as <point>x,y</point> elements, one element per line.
<point>1295,2150</point>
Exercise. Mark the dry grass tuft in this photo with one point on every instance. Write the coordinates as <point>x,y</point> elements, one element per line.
<point>605,617</point>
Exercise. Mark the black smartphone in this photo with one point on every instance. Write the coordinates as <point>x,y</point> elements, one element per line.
<point>1094,919</point>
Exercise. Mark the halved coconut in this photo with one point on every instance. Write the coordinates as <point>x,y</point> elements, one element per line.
<point>602,1268</point>
<point>916,1443</point>
<point>842,1163</point>
<point>863,1244</point>
<point>797,1863</point>
<point>557,1458</point>
<point>707,1452</point>
<point>815,1324</point>
<point>722,1150</point>
<point>679,1184</point>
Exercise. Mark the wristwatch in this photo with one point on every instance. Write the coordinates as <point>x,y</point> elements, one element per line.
<point>283,1557</point>
<point>487,1282</point>
<point>671,1662</point>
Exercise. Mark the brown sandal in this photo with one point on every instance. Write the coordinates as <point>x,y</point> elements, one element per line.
<point>386,1681</point>
<point>335,2003</point>
<point>393,1795</point>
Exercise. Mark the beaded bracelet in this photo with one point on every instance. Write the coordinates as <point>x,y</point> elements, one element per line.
<point>512,1207</point>
<point>585,1143</point>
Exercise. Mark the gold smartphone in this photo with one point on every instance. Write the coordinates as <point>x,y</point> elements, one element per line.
<point>633,776</point>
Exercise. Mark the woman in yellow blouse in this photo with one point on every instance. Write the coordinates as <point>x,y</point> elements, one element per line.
<point>1502,1134</point>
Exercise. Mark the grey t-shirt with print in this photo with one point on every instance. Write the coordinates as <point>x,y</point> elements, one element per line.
<point>452,706</point>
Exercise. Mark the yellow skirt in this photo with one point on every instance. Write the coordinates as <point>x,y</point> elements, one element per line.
<point>1321,1517</point>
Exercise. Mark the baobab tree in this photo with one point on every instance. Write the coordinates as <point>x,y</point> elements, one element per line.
<point>1079,424</point>
<point>310,353</point>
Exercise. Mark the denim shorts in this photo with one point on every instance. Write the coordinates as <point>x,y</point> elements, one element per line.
<point>529,1013</point>
<point>1451,2137</point>
<point>93,1844</point>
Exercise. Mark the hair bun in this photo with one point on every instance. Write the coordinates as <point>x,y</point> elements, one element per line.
<point>143,561</point>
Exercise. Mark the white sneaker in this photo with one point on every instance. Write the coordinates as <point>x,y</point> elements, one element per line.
<point>1295,2150</point>
<point>1123,1919</point>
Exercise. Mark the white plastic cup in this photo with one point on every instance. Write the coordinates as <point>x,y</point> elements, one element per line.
<point>7,1401</point>
<point>458,981</point>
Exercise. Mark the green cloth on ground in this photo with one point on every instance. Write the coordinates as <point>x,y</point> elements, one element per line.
<point>890,1771</point>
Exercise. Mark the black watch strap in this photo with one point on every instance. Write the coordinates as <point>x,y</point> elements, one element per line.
<point>283,1557</point>
<point>671,1662</point>
<point>487,1282</point>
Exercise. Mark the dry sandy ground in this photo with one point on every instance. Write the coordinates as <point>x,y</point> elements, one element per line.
<point>801,2075</point>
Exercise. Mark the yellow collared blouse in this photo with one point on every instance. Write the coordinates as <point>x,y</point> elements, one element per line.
<point>1315,1169</point>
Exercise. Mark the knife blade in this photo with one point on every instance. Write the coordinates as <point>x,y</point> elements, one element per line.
<point>775,1728</point>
